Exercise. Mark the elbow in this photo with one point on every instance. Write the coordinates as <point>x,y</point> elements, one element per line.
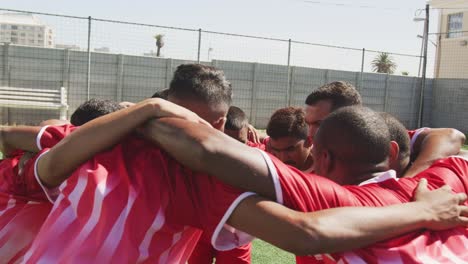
<point>457,136</point>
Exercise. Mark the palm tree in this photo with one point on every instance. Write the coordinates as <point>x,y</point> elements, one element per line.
<point>383,63</point>
<point>159,43</point>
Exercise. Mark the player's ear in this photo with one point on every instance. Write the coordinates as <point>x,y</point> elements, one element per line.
<point>327,161</point>
<point>219,124</point>
<point>394,151</point>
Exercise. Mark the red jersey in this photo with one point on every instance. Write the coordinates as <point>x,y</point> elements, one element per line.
<point>312,193</point>
<point>132,203</point>
<point>23,206</point>
<point>262,145</point>
<point>413,135</point>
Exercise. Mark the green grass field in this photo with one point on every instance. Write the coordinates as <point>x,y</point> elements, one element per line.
<point>263,252</point>
<point>465,147</point>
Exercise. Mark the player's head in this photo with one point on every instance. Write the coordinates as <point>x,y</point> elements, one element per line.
<point>351,144</point>
<point>289,140</point>
<point>326,99</point>
<point>92,109</point>
<point>161,94</point>
<point>236,124</point>
<point>204,90</point>
<point>399,161</point>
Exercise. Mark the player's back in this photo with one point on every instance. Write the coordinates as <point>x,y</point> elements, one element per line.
<point>424,246</point>
<point>129,204</point>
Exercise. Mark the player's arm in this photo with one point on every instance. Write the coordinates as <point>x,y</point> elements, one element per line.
<point>433,144</point>
<point>326,231</point>
<point>56,165</point>
<point>210,151</point>
<point>18,137</point>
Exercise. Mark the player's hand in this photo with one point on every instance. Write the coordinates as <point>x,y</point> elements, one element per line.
<point>252,134</point>
<point>444,208</point>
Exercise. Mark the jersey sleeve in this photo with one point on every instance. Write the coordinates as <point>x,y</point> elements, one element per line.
<point>28,182</point>
<point>35,184</point>
<point>307,192</point>
<point>49,136</point>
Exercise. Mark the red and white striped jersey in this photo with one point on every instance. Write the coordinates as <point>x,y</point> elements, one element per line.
<point>312,193</point>
<point>132,203</point>
<point>23,206</point>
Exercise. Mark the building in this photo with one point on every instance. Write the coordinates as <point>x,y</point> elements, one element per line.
<point>452,39</point>
<point>25,29</point>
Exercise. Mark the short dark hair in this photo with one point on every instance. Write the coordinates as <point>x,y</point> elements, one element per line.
<point>236,119</point>
<point>355,134</point>
<point>398,133</point>
<point>288,122</point>
<point>161,94</point>
<point>91,109</point>
<point>203,83</point>
<point>340,94</point>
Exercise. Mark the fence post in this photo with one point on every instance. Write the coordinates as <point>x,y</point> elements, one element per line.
<point>326,77</point>
<point>289,87</point>
<point>88,71</point>
<point>6,63</point>
<point>168,73</point>
<point>253,99</point>
<point>6,80</point>
<point>362,68</point>
<point>413,93</point>
<point>66,68</point>
<point>120,76</point>
<point>387,79</point>
<point>199,44</point>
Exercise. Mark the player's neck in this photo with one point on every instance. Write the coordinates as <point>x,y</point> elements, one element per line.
<point>364,172</point>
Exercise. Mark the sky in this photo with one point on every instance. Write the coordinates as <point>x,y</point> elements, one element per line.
<point>373,25</point>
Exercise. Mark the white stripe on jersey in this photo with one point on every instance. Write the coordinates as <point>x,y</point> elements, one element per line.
<point>447,252</point>
<point>157,224</point>
<point>115,236</point>
<point>95,213</point>
<point>350,257</point>
<point>10,204</point>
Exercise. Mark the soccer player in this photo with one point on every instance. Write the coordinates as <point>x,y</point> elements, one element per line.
<point>204,252</point>
<point>427,145</point>
<point>306,193</point>
<point>399,159</point>
<point>24,206</point>
<point>236,124</point>
<point>289,140</point>
<point>100,214</point>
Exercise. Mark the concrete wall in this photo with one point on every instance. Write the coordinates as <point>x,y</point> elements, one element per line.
<point>259,89</point>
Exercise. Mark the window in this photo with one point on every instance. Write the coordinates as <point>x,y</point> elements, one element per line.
<point>39,35</point>
<point>14,40</point>
<point>23,34</point>
<point>14,27</point>
<point>455,25</point>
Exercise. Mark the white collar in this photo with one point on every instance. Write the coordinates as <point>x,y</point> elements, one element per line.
<point>382,176</point>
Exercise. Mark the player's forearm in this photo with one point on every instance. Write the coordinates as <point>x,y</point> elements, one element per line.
<point>363,226</point>
<point>433,145</point>
<point>20,137</point>
<point>91,138</point>
<point>205,149</point>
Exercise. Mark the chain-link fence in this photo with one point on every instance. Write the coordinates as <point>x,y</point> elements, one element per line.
<point>118,60</point>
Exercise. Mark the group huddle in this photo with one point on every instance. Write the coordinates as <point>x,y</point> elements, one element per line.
<point>183,178</point>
